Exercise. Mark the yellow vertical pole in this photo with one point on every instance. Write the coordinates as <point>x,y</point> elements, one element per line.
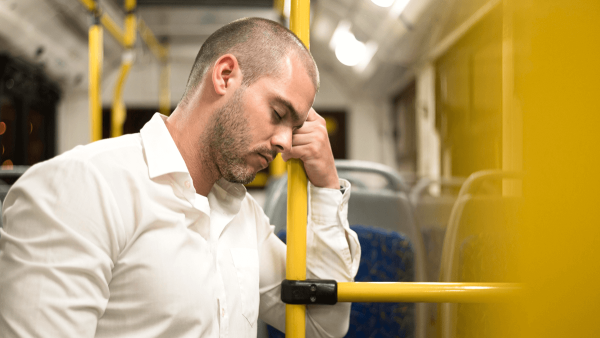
<point>119,112</point>
<point>95,51</point>
<point>277,167</point>
<point>164,104</point>
<point>295,318</point>
<point>130,23</point>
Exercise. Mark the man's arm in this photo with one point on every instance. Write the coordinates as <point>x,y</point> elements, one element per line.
<point>333,250</point>
<point>56,251</point>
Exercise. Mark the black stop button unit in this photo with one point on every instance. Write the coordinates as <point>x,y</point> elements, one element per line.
<point>310,291</point>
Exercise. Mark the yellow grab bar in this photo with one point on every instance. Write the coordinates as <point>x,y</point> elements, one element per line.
<point>106,21</point>
<point>113,29</point>
<point>295,322</point>
<point>95,72</point>
<point>119,112</point>
<point>118,108</point>
<point>130,23</point>
<point>428,292</point>
<point>164,97</point>
<point>296,243</point>
<point>159,51</point>
<point>300,20</point>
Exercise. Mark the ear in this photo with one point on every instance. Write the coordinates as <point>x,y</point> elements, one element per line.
<point>226,74</point>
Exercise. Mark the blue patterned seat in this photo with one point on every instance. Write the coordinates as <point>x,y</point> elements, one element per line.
<point>387,256</point>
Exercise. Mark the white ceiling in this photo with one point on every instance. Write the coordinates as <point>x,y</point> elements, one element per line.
<point>60,26</point>
<point>399,38</point>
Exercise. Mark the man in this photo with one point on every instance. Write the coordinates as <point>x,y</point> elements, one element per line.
<point>152,234</point>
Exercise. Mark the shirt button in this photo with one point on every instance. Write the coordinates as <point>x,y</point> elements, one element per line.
<point>188,184</point>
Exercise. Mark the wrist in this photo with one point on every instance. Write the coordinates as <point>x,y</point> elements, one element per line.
<point>333,183</point>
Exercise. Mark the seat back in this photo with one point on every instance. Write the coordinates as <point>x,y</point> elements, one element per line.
<point>433,200</point>
<point>479,241</point>
<point>385,208</point>
<point>387,256</point>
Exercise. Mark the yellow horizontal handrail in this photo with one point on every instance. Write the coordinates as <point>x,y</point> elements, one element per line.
<point>428,292</point>
<point>107,22</point>
<point>159,51</point>
<point>113,29</point>
<point>89,4</point>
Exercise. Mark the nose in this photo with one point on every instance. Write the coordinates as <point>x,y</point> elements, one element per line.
<point>282,139</point>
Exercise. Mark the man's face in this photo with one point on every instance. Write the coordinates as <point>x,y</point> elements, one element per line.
<point>257,122</point>
<point>230,141</point>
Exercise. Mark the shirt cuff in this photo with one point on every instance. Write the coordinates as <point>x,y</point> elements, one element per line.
<point>326,203</point>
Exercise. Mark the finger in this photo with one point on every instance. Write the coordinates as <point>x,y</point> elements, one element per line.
<point>296,152</point>
<point>302,139</point>
<point>313,126</point>
<point>308,127</point>
<point>313,115</point>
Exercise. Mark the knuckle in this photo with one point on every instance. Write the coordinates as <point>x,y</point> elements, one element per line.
<point>323,135</point>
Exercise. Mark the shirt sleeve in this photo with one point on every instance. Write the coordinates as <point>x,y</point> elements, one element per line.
<point>333,252</point>
<point>57,250</point>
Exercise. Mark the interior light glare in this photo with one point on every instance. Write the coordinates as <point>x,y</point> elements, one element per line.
<point>287,8</point>
<point>342,29</point>
<point>383,3</point>
<point>350,51</point>
<point>370,50</point>
<point>398,8</point>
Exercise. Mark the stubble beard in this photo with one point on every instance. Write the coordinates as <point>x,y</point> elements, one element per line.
<point>228,140</point>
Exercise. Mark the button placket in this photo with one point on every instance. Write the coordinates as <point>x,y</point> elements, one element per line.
<point>221,296</point>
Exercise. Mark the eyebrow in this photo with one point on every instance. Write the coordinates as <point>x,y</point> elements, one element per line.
<point>290,108</point>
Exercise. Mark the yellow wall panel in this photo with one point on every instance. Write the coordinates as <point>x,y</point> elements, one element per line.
<point>556,83</point>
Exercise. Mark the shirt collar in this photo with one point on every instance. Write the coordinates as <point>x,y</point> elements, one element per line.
<point>163,157</point>
<point>162,154</point>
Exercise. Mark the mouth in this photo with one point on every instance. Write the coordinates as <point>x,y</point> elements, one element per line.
<point>269,158</point>
<point>266,160</point>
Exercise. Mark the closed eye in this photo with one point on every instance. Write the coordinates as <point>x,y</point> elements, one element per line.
<point>279,118</point>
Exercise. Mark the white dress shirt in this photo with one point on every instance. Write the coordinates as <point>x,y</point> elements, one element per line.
<point>111,240</point>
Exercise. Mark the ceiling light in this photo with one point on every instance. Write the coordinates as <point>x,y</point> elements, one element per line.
<point>398,7</point>
<point>287,8</point>
<point>341,30</point>
<point>370,50</point>
<point>383,3</point>
<point>350,51</point>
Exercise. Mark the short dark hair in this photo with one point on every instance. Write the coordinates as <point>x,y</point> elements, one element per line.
<point>259,46</point>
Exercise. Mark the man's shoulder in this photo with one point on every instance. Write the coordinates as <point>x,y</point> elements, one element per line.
<point>108,153</point>
<point>106,163</point>
<point>105,158</point>
<point>116,146</point>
